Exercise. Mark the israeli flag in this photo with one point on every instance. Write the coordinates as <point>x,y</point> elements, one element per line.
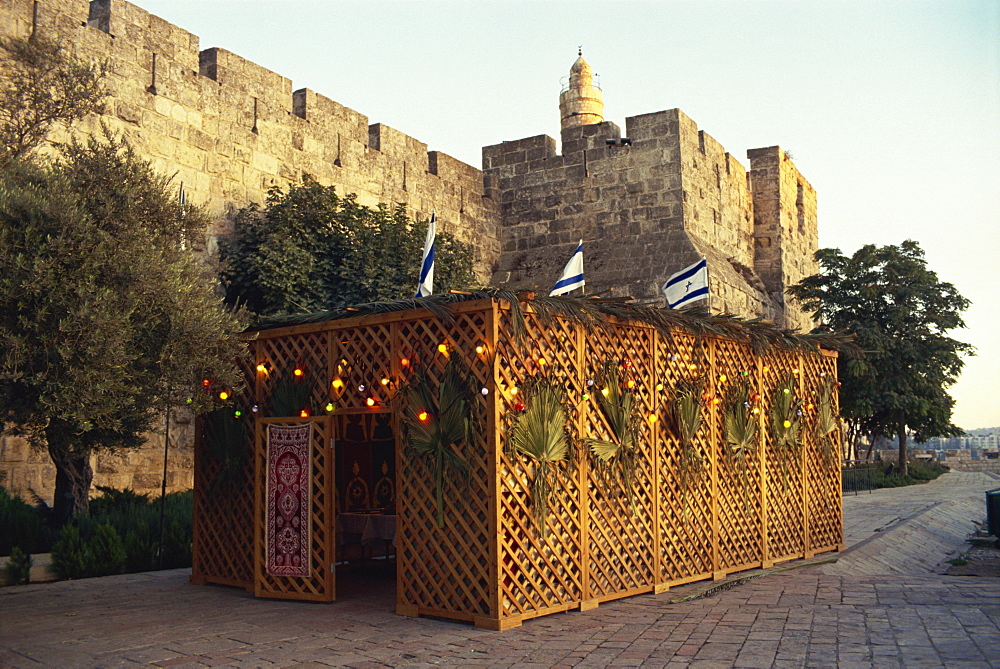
<point>425,286</point>
<point>687,285</point>
<point>572,276</point>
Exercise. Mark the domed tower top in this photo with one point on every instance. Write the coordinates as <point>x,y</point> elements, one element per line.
<point>581,102</point>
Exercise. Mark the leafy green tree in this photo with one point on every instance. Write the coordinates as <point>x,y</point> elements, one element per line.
<point>311,249</point>
<point>901,313</point>
<point>105,318</point>
<point>41,85</point>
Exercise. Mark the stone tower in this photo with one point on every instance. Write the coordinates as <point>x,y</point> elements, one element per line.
<point>649,204</point>
<point>581,102</point>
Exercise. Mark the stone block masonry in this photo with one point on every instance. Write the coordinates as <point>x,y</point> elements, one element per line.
<point>229,129</point>
<point>651,205</point>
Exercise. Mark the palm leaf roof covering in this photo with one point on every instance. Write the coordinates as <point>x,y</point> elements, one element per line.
<point>760,334</point>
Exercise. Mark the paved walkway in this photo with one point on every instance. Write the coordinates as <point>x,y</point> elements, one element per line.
<point>901,617</point>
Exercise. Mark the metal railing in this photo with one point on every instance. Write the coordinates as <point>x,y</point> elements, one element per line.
<point>858,475</point>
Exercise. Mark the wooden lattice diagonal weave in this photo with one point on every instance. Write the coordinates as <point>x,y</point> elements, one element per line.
<point>490,564</point>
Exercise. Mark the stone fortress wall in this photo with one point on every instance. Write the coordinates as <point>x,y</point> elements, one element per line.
<point>650,206</point>
<point>229,130</point>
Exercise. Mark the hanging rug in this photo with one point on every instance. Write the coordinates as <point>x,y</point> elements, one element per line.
<point>288,499</point>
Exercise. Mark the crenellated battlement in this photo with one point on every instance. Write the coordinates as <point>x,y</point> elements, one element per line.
<point>648,204</point>
<point>229,129</point>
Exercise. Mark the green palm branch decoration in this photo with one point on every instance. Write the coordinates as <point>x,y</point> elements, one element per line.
<point>227,441</point>
<point>826,423</point>
<point>291,394</point>
<point>618,458</point>
<point>438,420</point>
<point>786,424</point>
<point>686,410</point>
<point>539,435</point>
<point>742,428</point>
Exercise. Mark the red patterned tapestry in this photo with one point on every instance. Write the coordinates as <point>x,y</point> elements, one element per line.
<point>288,487</point>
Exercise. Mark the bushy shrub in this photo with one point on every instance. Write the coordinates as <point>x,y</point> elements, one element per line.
<point>112,500</point>
<point>22,525</point>
<point>926,470</point>
<point>105,552</point>
<point>69,554</point>
<point>18,567</point>
<point>140,549</point>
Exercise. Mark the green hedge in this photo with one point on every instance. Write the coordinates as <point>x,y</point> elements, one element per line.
<point>121,534</point>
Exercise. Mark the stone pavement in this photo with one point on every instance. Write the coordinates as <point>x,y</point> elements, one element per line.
<point>799,617</point>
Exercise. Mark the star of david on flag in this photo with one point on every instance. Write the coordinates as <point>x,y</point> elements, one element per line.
<point>572,276</point>
<point>425,286</point>
<point>687,285</point>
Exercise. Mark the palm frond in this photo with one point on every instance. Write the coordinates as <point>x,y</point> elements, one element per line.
<point>437,421</point>
<point>539,436</point>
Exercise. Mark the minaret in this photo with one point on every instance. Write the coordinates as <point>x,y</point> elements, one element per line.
<point>582,103</point>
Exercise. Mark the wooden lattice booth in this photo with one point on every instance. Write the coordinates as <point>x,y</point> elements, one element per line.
<point>604,450</point>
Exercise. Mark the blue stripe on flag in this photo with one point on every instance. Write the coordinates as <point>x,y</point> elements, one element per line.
<point>687,274</point>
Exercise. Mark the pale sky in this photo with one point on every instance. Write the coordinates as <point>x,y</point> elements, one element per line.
<point>891,109</point>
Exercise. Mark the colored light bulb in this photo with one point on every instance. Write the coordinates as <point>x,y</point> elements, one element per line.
<point>370,401</point>
<point>423,416</point>
<point>261,368</point>
<point>404,362</point>
<point>442,348</point>
<point>298,371</point>
<point>329,406</point>
<point>304,413</point>
<point>337,384</point>
<point>480,349</point>
<point>223,396</point>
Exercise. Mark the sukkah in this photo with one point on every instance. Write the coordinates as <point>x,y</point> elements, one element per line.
<point>545,454</point>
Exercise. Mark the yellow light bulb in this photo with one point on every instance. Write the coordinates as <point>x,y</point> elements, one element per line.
<point>329,406</point>
<point>223,395</point>
<point>261,368</point>
<point>442,348</point>
<point>652,418</point>
<point>385,382</point>
<point>370,402</point>
<point>337,383</point>
<point>692,366</point>
<point>722,378</point>
<point>423,416</point>
<point>605,391</point>
<point>541,361</point>
<point>787,424</point>
<point>659,386</point>
<point>513,391</point>
<point>480,349</point>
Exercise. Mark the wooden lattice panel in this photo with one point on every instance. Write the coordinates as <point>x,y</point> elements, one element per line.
<point>319,585</point>
<point>822,462</point>
<point>685,498</point>
<point>555,579</point>
<point>738,500</point>
<point>620,540</point>
<point>222,532</point>
<point>784,474</point>
<point>447,570</point>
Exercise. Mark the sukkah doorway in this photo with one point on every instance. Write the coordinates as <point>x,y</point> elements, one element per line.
<point>365,454</point>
